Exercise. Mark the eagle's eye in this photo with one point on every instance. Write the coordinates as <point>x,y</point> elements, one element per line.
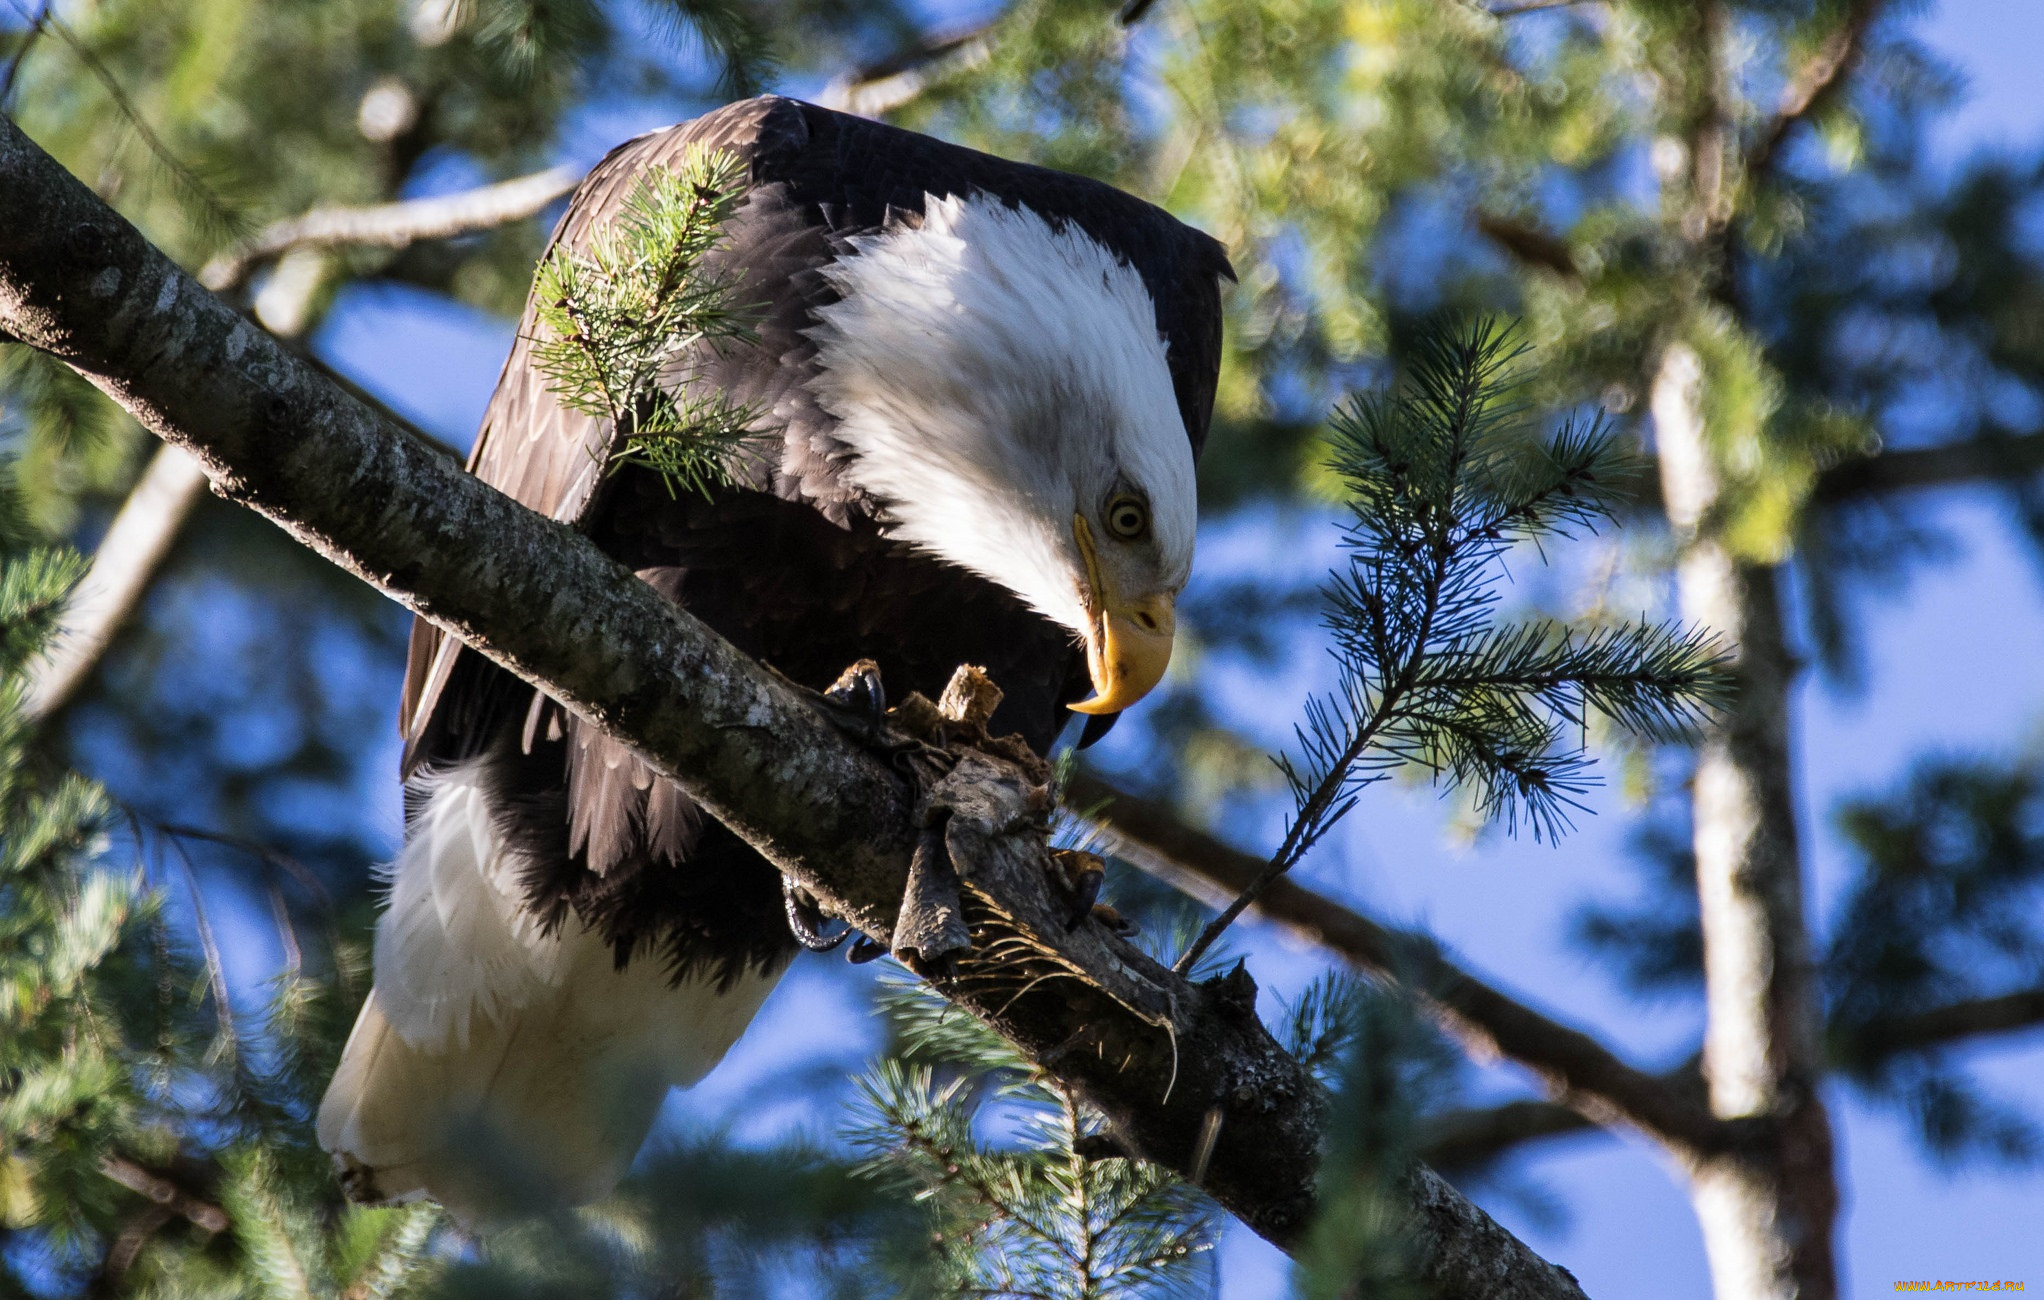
<point>1127,518</point>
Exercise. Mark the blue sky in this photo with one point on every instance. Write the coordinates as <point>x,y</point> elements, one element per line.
<point>1952,667</point>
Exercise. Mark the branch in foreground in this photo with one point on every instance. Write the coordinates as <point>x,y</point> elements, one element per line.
<point>395,225</point>
<point>1156,1054</point>
<point>1581,1072</point>
<point>149,521</point>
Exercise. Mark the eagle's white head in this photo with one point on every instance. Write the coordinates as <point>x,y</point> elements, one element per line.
<point>1004,388</point>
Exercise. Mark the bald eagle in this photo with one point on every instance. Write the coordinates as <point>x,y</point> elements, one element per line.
<point>988,383</point>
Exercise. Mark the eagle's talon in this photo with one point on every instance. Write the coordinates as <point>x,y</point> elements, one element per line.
<point>865,949</point>
<point>1078,875</point>
<point>1122,926</point>
<point>806,919</point>
<point>859,692</point>
<point>1084,896</point>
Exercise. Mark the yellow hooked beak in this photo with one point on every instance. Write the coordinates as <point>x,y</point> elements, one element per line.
<point>1128,643</point>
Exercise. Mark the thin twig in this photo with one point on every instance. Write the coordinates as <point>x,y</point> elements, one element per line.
<point>187,178</point>
<point>1319,811</point>
<point>28,40</point>
<point>1531,6</point>
<point>209,946</point>
<point>1814,83</point>
<point>881,87</point>
<point>272,861</point>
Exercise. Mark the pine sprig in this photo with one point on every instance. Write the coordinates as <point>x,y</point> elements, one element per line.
<point>627,322</point>
<point>1442,480</point>
<point>1037,1216</point>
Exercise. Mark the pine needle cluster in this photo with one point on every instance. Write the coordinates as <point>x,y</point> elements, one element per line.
<point>1042,1214</point>
<point>1441,482</point>
<point>1384,1058</point>
<point>1442,478</point>
<point>148,1141</point>
<point>627,322</point>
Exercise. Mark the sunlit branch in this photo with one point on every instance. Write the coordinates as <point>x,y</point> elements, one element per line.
<point>149,521</point>
<point>878,88</point>
<point>395,225</point>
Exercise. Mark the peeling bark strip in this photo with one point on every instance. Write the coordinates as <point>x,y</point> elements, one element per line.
<point>79,282</point>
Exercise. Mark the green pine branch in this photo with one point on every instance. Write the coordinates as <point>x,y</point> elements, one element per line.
<point>626,323</point>
<point>1442,480</point>
<point>1041,1215</point>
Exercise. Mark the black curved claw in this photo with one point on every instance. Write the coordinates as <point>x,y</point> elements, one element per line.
<point>806,920</point>
<point>864,950</point>
<point>1097,725</point>
<point>858,691</point>
<point>1085,893</point>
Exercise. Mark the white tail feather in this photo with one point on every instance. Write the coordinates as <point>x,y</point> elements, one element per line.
<point>494,1068</point>
<point>455,941</point>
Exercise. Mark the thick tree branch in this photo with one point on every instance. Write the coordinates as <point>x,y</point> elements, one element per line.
<point>1155,1053</point>
<point>395,225</point>
<point>1579,1071</point>
<point>150,520</point>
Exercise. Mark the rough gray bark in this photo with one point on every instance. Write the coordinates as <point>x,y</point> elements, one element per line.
<point>149,521</point>
<point>1768,1209</point>
<point>1152,1051</point>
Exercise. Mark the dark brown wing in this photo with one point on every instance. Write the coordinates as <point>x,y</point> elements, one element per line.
<point>817,178</point>
<point>532,447</point>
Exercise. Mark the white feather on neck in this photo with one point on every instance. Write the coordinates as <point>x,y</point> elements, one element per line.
<point>993,375</point>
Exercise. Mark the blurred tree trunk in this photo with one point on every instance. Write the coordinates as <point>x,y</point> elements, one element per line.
<point>1768,1208</point>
